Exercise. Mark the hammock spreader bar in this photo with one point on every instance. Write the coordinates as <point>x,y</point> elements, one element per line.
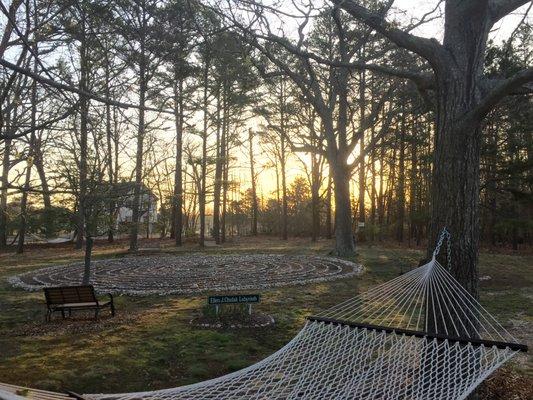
<point>421,334</point>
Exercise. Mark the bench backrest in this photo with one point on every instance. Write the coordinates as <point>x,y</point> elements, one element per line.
<point>70,294</point>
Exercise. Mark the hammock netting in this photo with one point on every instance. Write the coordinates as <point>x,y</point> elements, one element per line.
<point>377,345</point>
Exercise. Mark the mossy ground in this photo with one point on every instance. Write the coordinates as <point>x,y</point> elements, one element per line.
<point>151,344</point>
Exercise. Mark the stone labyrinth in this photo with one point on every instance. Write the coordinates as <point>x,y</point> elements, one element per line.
<point>186,274</point>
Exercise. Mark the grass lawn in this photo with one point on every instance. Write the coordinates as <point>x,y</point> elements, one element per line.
<point>150,344</point>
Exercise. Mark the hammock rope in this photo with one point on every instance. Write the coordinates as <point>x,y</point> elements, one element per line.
<point>420,336</point>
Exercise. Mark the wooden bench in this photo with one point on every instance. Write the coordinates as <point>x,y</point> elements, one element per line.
<point>72,298</point>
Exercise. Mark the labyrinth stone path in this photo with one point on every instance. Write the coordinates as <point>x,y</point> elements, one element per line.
<point>188,274</point>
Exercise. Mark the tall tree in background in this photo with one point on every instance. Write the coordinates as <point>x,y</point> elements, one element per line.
<point>235,83</point>
<point>253,177</point>
<point>11,90</point>
<point>138,30</point>
<point>180,35</point>
<point>32,19</point>
<point>276,111</point>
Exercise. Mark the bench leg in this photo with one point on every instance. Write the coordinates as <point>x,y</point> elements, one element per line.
<point>48,316</point>
<point>96,314</point>
<point>63,313</point>
<point>112,310</point>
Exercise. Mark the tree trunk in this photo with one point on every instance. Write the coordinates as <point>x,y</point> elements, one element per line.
<point>455,191</point>
<point>141,130</point>
<point>315,198</point>
<point>284,205</point>
<point>401,183</point>
<point>373,194</point>
<point>414,194</point>
<point>177,206</point>
<point>203,177</point>
<point>255,206</point>
<point>220,161</point>
<point>329,230</point>
<point>84,134</point>
<point>362,187</point>
<point>381,196</point>
<point>47,201</point>
<point>283,161</point>
<point>278,201</point>
<point>455,187</point>
<point>87,261</point>
<point>6,161</point>
<point>225,187</point>
<point>344,240</point>
<point>31,144</point>
<point>491,186</point>
<point>362,172</point>
<point>110,174</point>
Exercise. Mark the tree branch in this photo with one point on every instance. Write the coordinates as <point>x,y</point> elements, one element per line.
<point>72,89</point>
<point>501,8</point>
<point>498,92</point>
<point>427,48</point>
<point>44,125</point>
<point>422,80</point>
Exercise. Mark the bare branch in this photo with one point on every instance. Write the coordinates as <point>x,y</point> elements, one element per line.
<point>501,8</point>
<point>422,80</point>
<point>72,89</point>
<point>498,92</point>
<point>44,125</point>
<point>429,49</point>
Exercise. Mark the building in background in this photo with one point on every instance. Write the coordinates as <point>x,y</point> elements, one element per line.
<point>123,193</point>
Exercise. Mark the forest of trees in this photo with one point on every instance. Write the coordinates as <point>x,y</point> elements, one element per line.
<point>239,129</point>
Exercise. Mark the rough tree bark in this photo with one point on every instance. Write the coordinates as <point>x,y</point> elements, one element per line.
<point>414,195</point>
<point>47,200</point>
<point>220,160</point>
<point>362,172</point>
<point>109,158</point>
<point>203,192</point>
<point>400,194</point>
<point>329,227</point>
<point>315,197</point>
<point>283,162</point>
<point>225,188</point>
<point>31,143</point>
<point>6,161</point>
<point>177,206</point>
<point>255,206</point>
<point>87,260</point>
<point>141,131</point>
<point>84,134</point>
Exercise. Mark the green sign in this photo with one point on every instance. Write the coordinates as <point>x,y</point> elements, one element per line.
<point>234,299</point>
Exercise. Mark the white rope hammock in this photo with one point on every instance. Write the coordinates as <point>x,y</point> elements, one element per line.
<point>377,345</point>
